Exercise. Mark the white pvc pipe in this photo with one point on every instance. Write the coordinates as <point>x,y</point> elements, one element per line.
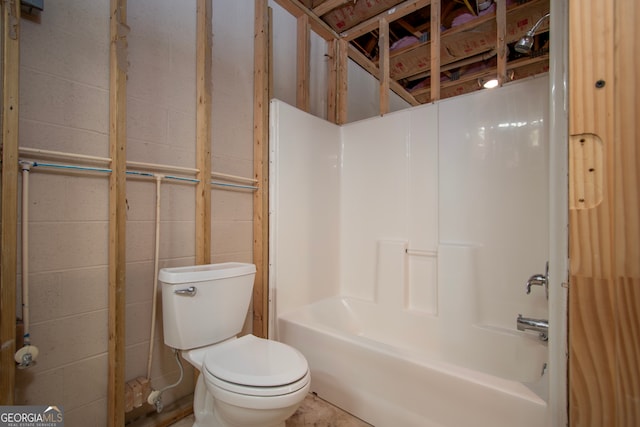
<point>140,165</point>
<point>156,258</point>
<point>162,168</point>
<point>25,251</point>
<point>226,176</point>
<point>63,155</point>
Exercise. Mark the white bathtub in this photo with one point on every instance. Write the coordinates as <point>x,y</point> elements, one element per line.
<point>403,370</point>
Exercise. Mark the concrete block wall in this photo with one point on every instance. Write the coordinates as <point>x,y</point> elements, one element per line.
<point>64,106</point>
<point>161,129</point>
<point>64,79</point>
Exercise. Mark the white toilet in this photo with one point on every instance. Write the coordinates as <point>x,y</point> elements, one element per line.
<point>243,382</point>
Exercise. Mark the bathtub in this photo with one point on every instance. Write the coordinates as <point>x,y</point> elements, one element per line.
<point>404,370</point>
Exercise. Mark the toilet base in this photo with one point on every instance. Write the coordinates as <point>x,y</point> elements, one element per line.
<point>207,411</point>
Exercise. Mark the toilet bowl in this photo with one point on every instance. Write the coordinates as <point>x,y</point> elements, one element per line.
<point>243,382</point>
<point>248,382</point>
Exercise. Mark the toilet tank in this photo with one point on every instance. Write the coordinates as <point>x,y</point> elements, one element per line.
<point>204,304</point>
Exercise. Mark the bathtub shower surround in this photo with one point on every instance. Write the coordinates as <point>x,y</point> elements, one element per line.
<point>400,250</point>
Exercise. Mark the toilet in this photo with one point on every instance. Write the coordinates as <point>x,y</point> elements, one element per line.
<point>243,382</point>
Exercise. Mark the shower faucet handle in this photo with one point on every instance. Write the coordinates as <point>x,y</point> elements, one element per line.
<point>539,280</point>
<point>536,280</point>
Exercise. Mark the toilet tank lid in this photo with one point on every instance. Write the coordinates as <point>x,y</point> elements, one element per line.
<point>201,273</point>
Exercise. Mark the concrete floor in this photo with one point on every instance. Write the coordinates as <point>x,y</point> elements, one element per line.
<point>313,412</point>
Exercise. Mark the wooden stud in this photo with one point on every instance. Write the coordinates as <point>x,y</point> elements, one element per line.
<point>117,211</point>
<point>203,130</point>
<point>435,50</point>
<point>332,79</point>
<point>626,209</point>
<point>343,82</point>
<point>302,62</point>
<point>10,103</point>
<point>261,169</point>
<point>604,302</point>
<point>383,51</point>
<point>501,24</point>
<point>270,53</point>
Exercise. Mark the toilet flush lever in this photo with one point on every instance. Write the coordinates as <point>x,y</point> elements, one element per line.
<point>189,292</point>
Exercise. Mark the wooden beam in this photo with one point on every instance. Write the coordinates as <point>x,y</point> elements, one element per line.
<point>9,144</point>
<point>359,58</point>
<point>317,25</point>
<point>328,6</point>
<point>261,169</point>
<point>399,11</point>
<point>117,210</point>
<point>332,80</point>
<point>203,130</point>
<point>435,50</point>
<point>302,63</point>
<point>501,21</point>
<point>604,234</point>
<point>343,81</point>
<point>410,28</point>
<point>383,76</point>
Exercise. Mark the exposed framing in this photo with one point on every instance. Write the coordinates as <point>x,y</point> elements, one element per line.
<point>302,63</point>
<point>204,95</point>
<point>10,105</point>
<point>117,210</point>
<point>383,48</point>
<point>435,50</point>
<point>332,80</point>
<point>261,168</point>
<point>501,18</point>
<point>342,82</point>
<point>604,236</point>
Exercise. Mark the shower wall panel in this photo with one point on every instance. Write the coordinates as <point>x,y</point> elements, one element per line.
<point>304,207</point>
<point>494,193</point>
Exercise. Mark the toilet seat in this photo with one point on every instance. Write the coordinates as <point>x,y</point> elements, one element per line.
<point>255,366</point>
<point>258,391</point>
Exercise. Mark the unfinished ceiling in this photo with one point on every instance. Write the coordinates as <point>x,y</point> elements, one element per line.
<point>468,38</point>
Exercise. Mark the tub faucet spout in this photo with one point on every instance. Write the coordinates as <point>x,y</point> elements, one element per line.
<point>530,324</point>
